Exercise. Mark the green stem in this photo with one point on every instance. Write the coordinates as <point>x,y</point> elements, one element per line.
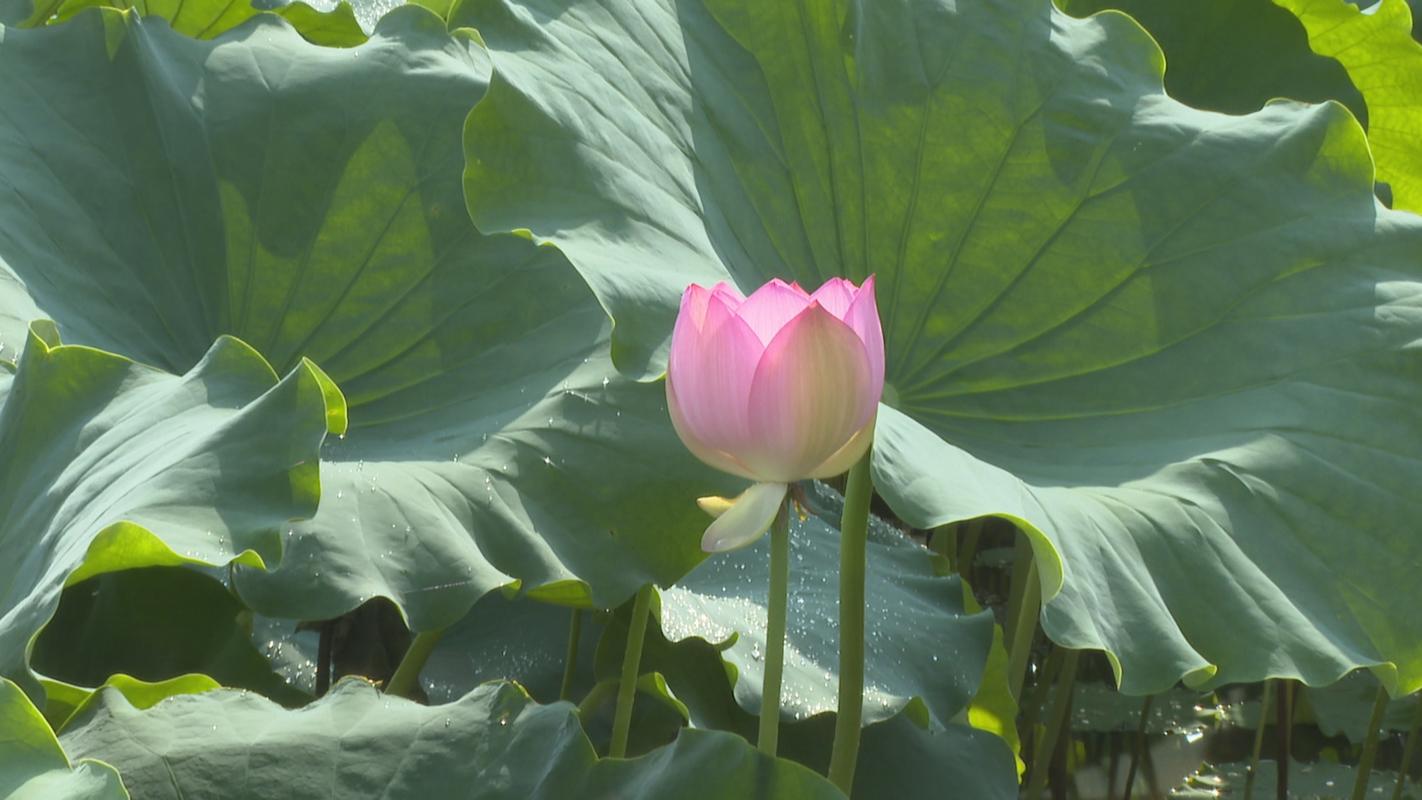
<point>944,542</point>
<point>1056,724</point>
<point>595,697</point>
<point>1370,746</point>
<point>1407,753</point>
<point>775,630</point>
<point>407,675</point>
<point>853,533</point>
<point>1138,747</point>
<point>1258,739</point>
<point>1023,607</point>
<point>570,661</point>
<point>1032,708</point>
<point>968,547</point>
<point>1284,730</point>
<point>631,662</point>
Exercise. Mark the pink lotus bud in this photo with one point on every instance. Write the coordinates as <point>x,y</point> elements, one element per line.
<point>777,387</point>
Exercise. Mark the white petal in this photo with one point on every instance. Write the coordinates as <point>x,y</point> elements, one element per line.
<point>746,520</point>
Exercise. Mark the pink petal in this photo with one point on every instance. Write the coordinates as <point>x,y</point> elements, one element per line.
<point>846,456</point>
<point>746,520</point>
<point>835,295</point>
<point>863,317</point>
<point>810,394</point>
<point>728,294</point>
<point>693,309</point>
<point>716,458</point>
<point>709,374</point>
<point>771,306</point>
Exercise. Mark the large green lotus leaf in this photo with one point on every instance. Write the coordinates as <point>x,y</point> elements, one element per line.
<point>1385,63</point>
<point>33,766</point>
<point>154,624</point>
<point>309,200</point>
<point>1172,345</point>
<point>1233,55</point>
<point>110,465</point>
<point>63,700</point>
<point>920,641</point>
<point>358,743</point>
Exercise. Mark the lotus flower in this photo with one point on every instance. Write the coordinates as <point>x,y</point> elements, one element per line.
<point>776,387</point>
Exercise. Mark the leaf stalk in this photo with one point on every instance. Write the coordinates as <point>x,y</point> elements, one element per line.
<point>775,630</point>
<point>853,552</point>
<point>407,675</point>
<point>631,665</point>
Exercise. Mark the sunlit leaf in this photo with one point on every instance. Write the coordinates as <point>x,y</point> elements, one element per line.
<point>308,200</point>
<point>356,742</point>
<point>32,764</point>
<point>1385,63</point>
<point>1173,346</point>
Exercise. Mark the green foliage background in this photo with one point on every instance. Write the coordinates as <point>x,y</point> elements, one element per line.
<point>296,315</point>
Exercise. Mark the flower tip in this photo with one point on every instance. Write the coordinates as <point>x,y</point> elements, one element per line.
<point>715,506</point>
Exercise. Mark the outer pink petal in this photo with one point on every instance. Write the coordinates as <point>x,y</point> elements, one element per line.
<point>807,397</point>
<point>728,294</point>
<point>693,307</point>
<point>863,317</point>
<point>835,295</point>
<point>846,456</point>
<point>709,374</point>
<point>771,306</point>
<point>717,458</point>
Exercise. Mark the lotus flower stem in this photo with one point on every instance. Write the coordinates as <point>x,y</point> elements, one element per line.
<point>570,661</point>
<point>1032,708</point>
<point>968,548</point>
<point>1024,604</point>
<point>407,675</point>
<point>944,542</point>
<point>1138,747</point>
<point>853,543</point>
<point>631,664</point>
<point>1258,739</point>
<point>1407,750</point>
<point>775,630</point>
<point>1284,729</point>
<point>1370,746</point>
<point>1057,724</point>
